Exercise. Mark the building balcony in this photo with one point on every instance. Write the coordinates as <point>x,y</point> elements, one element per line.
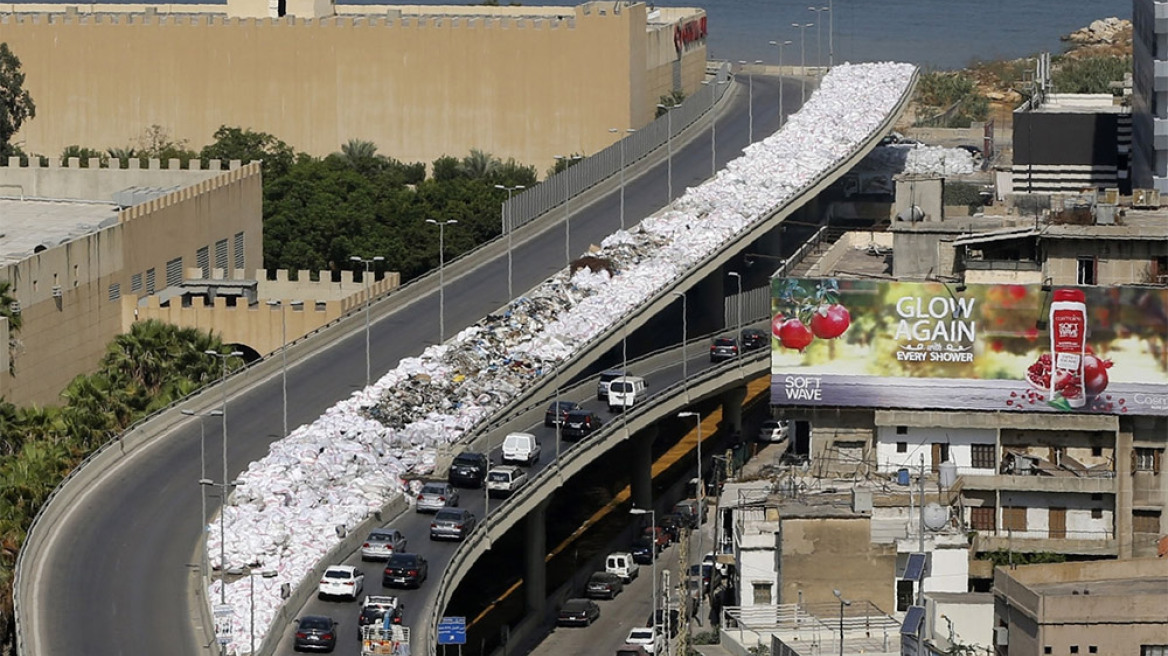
<point>1036,483</point>
<point>1160,75</point>
<point>1096,547</point>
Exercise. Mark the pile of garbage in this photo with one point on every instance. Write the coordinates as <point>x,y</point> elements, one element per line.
<point>919,159</point>
<point>358,455</point>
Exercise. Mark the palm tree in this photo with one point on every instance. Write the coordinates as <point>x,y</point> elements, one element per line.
<point>478,164</point>
<point>358,151</point>
<point>10,310</point>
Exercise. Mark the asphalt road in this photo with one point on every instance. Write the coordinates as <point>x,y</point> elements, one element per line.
<point>114,577</point>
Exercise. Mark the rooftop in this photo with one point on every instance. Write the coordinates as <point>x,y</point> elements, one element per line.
<point>1106,587</point>
<point>31,226</point>
<point>1080,103</point>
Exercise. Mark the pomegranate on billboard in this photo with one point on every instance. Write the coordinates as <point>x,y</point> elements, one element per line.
<point>888,344</point>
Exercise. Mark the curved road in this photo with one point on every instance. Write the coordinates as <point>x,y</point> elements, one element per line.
<point>114,575</point>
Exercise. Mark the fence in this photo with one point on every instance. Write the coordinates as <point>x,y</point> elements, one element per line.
<point>590,171</point>
<point>756,307</point>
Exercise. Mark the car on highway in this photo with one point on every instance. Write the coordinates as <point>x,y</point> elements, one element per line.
<point>580,424</point>
<point>774,430</point>
<point>315,633</point>
<point>625,392</point>
<point>502,481</point>
<point>375,608</point>
<point>468,469</point>
<point>643,551</point>
<point>754,339</point>
<point>522,448</point>
<point>435,496</point>
<point>558,411</point>
<point>452,524</point>
<point>603,585</point>
<point>341,581</point>
<point>723,348</point>
<point>606,377</point>
<point>405,570</point>
<point>382,543</point>
<point>650,640</point>
<point>578,612</point>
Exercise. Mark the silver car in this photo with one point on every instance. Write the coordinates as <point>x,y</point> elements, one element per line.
<point>382,543</point>
<point>436,496</point>
<point>452,524</point>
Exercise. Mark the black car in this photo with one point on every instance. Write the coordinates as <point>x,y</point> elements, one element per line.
<point>557,411</point>
<point>603,585</point>
<point>580,424</point>
<point>452,524</point>
<point>405,570</point>
<point>316,633</point>
<point>578,612</point>
<point>723,348</point>
<point>642,550</point>
<point>753,338</point>
<point>468,470</point>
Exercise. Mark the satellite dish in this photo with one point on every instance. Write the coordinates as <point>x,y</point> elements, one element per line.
<point>912,214</point>
<point>935,516</point>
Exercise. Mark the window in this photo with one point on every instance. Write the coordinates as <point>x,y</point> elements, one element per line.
<point>203,261</point>
<point>221,256</point>
<point>762,592</point>
<point>1145,459</point>
<point>1074,649</point>
<point>149,281</point>
<point>1153,650</point>
<point>1092,649</point>
<point>982,456</point>
<point>940,454</point>
<point>239,251</point>
<point>1086,271</point>
<point>136,282</point>
<point>902,447</point>
<point>1096,451</point>
<point>115,291</point>
<point>1046,649</point>
<point>1013,518</point>
<point>1146,521</point>
<point>174,272</point>
<point>1096,513</point>
<point>902,430</point>
<point>982,518</point>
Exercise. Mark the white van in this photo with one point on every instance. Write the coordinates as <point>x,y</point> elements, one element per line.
<point>624,392</point>
<point>622,564</point>
<point>521,447</point>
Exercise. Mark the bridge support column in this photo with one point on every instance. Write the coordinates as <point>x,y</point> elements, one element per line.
<point>706,305</point>
<point>732,408</point>
<point>641,483</point>
<point>535,555</point>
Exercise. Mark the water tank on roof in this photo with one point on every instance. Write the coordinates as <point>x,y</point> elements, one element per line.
<point>948,472</point>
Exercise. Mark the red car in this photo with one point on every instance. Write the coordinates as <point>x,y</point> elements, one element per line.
<point>659,536</point>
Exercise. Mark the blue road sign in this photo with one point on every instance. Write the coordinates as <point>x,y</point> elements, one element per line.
<point>452,631</point>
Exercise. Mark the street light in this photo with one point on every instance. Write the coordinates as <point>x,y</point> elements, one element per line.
<point>442,275</point>
<point>780,45</point>
<point>223,357</point>
<point>802,59</point>
<point>713,125</point>
<point>701,496</point>
<point>843,602</point>
<point>206,482</point>
<point>507,227</point>
<point>653,560</point>
<point>669,146</point>
<point>738,277</point>
<point>622,174</point>
<point>251,574</point>
<point>284,351</point>
<point>684,344</point>
<point>750,96</point>
<point>568,161</point>
<point>818,38</point>
<point>203,474</point>
<point>368,301</point>
<point>830,30</point>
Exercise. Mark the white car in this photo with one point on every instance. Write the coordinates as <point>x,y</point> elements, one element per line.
<point>774,430</point>
<point>341,581</point>
<point>648,639</point>
<point>502,481</point>
<point>521,447</point>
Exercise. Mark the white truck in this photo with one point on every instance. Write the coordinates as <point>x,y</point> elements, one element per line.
<point>385,639</point>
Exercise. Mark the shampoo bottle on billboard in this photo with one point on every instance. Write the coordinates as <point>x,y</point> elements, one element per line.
<point>1068,343</point>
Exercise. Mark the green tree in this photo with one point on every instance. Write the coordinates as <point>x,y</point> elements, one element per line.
<point>10,311</point>
<point>563,163</point>
<point>250,146</point>
<point>669,100</point>
<point>83,154</point>
<point>156,142</point>
<point>447,168</point>
<point>478,165</point>
<point>1089,74</point>
<point>16,105</point>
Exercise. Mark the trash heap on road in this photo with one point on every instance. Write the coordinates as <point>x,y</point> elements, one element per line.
<point>352,460</point>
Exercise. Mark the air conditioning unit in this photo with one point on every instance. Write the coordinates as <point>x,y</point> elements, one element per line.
<point>1001,636</point>
<point>57,291</point>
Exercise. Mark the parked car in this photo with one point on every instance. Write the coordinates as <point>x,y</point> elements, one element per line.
<point>753,339</point>
<point>622,564</point>
<point>774,430</point>
<point>452,524</point>
<point>578,612</point>
<point>649,639</point>
<point>521,447</point>
<point>642,550</point>
<point>375,608</point>
<point>723,348</point>
<point>669,624</point>
<point>688,509</point>
<point>558,411</point>
<point>341,581</point>
<point>502,481</point>
<point>382,543</point>
<point>658,535</point>
<point>631,650</point>
<point>436,496</point>
<point>580,424</point>
<point>703,571</point>
<point>315,633</point>
<point>468,469</point>
<point>625,392</point>
<point>672,524</point>
<point>606,377</point>
<point>603,585</point>
<point>405,570</point>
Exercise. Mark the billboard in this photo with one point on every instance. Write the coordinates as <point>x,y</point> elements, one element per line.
<point>889,344</point>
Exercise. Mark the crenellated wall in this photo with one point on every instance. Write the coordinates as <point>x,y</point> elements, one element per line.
<point>511,81</point>
<point>98,179</point>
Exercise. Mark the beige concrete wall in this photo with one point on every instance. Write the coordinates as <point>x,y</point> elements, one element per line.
<point>419,87</point>
<point>66,179</point>
<point>1120,262</point>
<point>820,554</point>
<point>66,336</point>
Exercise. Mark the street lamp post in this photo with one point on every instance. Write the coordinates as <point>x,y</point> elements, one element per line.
<point>713,125</point>
<point>818,38</point>
<point>780,45</point>
<point>223,357</point>
<point>284,352</point>
<point>830,30</point>
<point>507,228</point>
<point>738,277</point>
<point>653,561</point>
<point>203,475</point>
<point>442,275</point>
<point>701,496</point>
<point>568,161</point>
<point>750,97</point>
<point>622,174</point>
<point>251,574</point>
<point>684,344</point>
<point>669,147</point>
<point>843,602</point>
<point>368,301</point>
<point>802,59</point>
